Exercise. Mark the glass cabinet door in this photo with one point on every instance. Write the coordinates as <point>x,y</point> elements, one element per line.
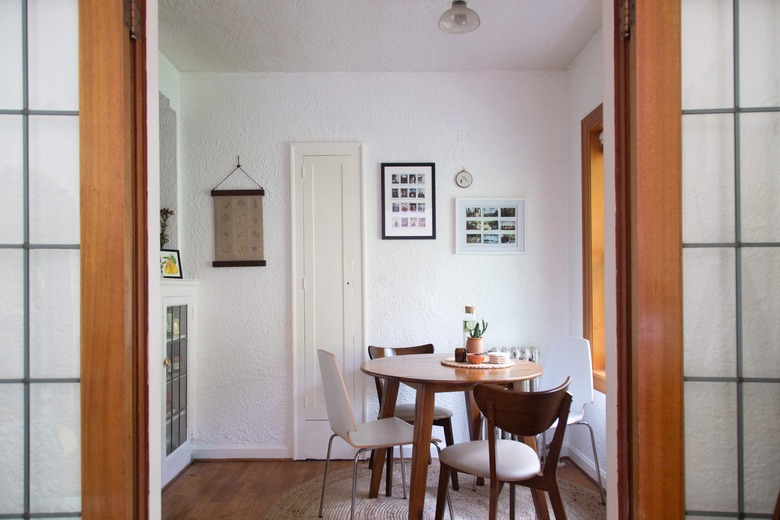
<point>175,377</point>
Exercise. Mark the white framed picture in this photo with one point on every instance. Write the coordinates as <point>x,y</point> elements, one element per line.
<point>490,226</point>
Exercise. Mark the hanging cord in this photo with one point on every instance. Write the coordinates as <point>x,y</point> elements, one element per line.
<point>238,167</point>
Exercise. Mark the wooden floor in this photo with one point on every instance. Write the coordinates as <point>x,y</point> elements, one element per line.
<point>247,489</point>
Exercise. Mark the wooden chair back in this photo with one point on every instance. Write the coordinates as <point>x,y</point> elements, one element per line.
<point>380,352</point>
<point>526,414</point>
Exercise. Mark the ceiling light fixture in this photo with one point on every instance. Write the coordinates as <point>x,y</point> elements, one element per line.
<point>459,19</point>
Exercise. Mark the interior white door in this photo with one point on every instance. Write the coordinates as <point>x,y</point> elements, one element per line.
<point>328,279</point>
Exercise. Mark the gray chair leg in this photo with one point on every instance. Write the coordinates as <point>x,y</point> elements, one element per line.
<point>403,470</point>
<point>595,458</point>
<point>354,483</point>
<point>325,477</point>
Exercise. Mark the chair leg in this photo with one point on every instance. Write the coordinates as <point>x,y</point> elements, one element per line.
<point>325,477</point>
<point>495,490</point>
<point>511,502</point>
<point>556,501</point>
<point>441,495</point>
<point>449,501</point>
<point>595,458</point>
<point>403,470</point>
<point>354,484</point>
<point>389,473</point>
<point>449,440</point>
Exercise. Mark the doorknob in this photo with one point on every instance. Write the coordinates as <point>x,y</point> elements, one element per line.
<point>167,362</point>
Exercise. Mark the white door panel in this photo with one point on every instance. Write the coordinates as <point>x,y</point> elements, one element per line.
<point>327,289</point>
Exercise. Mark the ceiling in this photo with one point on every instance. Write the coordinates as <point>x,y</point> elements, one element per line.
<point>372,35</point>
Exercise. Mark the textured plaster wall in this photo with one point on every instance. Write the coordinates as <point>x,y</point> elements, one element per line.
<point>585,91</point>
<point>508,129</point>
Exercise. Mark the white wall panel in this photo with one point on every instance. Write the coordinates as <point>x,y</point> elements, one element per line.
<point>12,434</point>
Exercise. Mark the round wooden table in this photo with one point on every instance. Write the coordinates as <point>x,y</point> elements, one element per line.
<point>427,375</point>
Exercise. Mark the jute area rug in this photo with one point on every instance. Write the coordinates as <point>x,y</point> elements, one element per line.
<point>304,501</point>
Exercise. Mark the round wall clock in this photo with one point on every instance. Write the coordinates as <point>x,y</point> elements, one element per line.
<point>463,179</point>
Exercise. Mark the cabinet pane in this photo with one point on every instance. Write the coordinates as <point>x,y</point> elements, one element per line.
<point>762,446</point>
<point>11,315</point>
<point>709,312</point>
<point>55,449</point>
<point>711,446</point>
<point>55,313</point>
<point>54,180</point>
<point>11,196</point>
<point>707,54</point>
<point>760,311</point>
<point>759,74</point>
<point>708,178</point>
<point>12,448</point>
<point>760,177</point>
<point>10,55</point>
<point>53,54</point>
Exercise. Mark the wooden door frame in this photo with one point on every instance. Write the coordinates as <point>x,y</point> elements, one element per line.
<point>114,306</point>
<point>648,120</point>
<point>114,272</point>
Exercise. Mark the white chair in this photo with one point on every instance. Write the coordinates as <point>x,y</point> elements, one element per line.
<point>570,357</point>
<point>383,433</point>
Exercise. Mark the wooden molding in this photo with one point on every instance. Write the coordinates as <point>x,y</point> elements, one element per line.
<point>649,171</point>
<point>113,296</point>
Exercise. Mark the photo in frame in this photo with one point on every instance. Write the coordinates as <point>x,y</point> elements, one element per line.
<point>408,201</point>
<point>170,263</point>
<point>493,226</point>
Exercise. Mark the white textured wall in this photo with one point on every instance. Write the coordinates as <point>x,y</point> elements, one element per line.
<point>585,92</point>
<point>508,129</point>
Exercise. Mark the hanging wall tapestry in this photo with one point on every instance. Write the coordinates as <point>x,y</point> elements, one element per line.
<point>238,225</point>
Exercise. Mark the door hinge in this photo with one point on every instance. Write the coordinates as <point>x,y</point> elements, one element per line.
<point>627,17</point>
<point>133,18</point>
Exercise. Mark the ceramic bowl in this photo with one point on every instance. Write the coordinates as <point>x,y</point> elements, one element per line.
<point>476,358</point>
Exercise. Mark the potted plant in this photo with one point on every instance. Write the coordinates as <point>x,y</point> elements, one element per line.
<point>474,341</point>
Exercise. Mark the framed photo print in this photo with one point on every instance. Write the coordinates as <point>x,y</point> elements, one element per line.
<point>170,263</point>
<point>490,226</point>
<point>408,201</point>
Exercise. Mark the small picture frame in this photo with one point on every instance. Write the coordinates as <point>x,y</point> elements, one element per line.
<point>408,201</point>
<point>490,226</point>
<point>170,263</point>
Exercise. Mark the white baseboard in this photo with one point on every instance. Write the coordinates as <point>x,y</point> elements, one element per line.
<point>586,464</point>
<point>203,452</point>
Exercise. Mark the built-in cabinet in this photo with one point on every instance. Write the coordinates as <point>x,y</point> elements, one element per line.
<point>179,300</point>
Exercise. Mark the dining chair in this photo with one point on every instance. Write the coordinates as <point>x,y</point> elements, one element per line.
<point>382,433</point>
<point>525,414</point>
<point>570,357</point>
<point>406,411</point>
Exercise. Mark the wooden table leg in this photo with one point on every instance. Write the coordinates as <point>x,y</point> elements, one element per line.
<point>387,410</point>
<point>423,419</point>
<point>474,417</point>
